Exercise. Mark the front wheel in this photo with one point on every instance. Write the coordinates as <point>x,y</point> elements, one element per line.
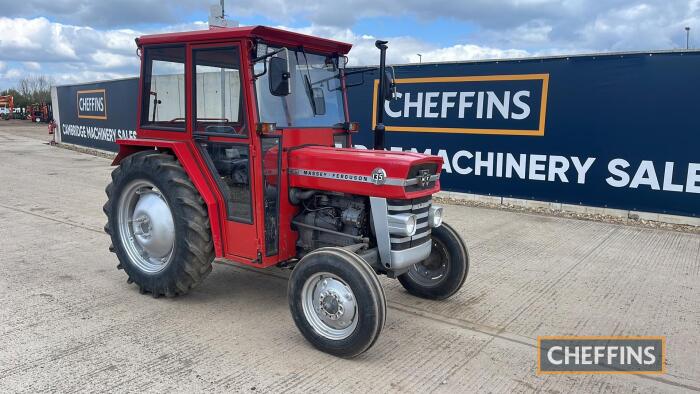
<point>443,273</point>
<point>337,302</point>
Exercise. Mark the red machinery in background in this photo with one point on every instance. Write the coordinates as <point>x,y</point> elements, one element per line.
<point>7,102</point>
<point>39,112</point>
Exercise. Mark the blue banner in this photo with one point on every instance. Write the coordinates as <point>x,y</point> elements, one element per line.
<point>97,114</point>
<point>618,131</point>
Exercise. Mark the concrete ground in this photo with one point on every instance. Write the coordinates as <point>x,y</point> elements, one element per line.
<point>70,322</point>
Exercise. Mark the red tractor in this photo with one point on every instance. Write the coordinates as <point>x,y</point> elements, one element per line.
<point>38,113</point>
<point>243,153</point>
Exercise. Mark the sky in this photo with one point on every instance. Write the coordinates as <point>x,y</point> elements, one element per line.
<point>86,40</point>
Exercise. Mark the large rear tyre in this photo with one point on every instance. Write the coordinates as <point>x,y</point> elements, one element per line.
<point>337,302</point>
<point>159,225</point>
<point>443,273</point>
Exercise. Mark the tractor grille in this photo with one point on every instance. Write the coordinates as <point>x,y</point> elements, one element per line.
<point>418,207</point>
<point>415,181</point>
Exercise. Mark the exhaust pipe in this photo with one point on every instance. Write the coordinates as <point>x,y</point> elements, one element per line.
<point>379,128</point>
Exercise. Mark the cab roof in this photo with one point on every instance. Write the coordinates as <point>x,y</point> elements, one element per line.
<point>267,34</point>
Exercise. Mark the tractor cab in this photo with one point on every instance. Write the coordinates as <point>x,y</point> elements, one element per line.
<point>233,94</point>
<point>243,152</point>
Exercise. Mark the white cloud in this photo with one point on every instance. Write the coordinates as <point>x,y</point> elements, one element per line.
<point>34,66</point>
<point>12,73</point>
<point>83,40</point>
<point>110,60</point>
<point>404,49</point>
<point>470,52</point>
<point>69,53</point>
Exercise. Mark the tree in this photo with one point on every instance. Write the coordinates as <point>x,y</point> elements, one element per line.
<point>35,89</point>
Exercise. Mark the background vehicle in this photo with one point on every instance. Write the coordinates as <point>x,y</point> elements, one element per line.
<point>236,158</point>
<point>39,112</point>
<point>7,107</point>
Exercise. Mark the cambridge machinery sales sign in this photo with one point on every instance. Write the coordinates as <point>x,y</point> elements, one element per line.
<point>615,131</point>
<point>96,115</point>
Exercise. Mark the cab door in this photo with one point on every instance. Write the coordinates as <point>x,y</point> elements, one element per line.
<point>221,132</point>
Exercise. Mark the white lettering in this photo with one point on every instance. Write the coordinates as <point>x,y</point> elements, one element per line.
<point>668,179</point>
<point>550,355</point>
<point>645,175</point>
<point>520,104</point>
<point>479,164</point>
<point>445,161</point>
<point>389,111</point>
<point>615,167</point>
<point>463,103</point>
<point>649,353</point>
<point>408,104</point>
<point>446,103</point>
<point>692,184</point>
<point>558,165</point>
<point>582,169</point>
<point>518,166</point>
<point>537,164</point>
<point>501,106</point>
<point>430,104</point>
<point>455,162</point>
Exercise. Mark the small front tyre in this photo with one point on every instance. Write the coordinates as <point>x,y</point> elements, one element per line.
<point>443,273</point>
<point>337,302</point>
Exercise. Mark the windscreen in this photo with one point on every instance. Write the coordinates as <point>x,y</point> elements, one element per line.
<point>316,98</point>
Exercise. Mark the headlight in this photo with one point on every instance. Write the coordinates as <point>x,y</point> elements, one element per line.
<point>435,216</point>
<point>402,224</point>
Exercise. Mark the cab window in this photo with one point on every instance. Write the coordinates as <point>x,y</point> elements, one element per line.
<point>217,85</point>
<point>163,95</point>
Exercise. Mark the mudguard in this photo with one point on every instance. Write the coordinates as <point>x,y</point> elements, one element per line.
<point>186,154</point>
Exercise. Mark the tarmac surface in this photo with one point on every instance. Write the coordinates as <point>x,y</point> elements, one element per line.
<point>70,322</point>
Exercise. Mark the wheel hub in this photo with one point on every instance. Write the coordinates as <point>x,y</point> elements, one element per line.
<point>432,271</point>
<point>330,306</point>
<point>146,226</point>
<point>153,225</point>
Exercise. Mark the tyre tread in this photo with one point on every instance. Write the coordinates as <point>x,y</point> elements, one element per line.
<point>195,244</point>
<point>450,286</point>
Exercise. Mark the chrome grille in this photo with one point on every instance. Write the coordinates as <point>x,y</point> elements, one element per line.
<point>418,207</point>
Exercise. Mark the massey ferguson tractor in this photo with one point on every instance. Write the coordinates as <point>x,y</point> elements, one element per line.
<point>244,153</point>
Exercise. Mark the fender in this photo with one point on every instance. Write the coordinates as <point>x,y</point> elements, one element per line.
<point>186,154</point>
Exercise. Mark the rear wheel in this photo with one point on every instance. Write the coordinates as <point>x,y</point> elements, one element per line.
<point>158,224</point>
<point>337,302</point>
<point>443,273</point>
